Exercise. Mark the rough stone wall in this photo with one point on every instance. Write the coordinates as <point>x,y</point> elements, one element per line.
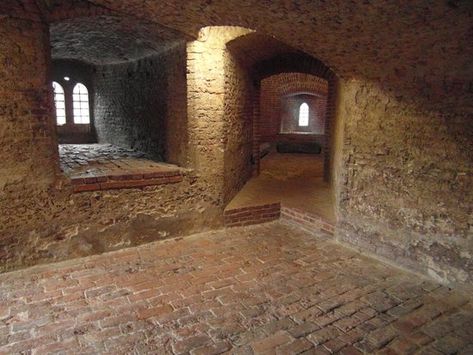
<point>25,102</point>
<point>134,101</point>
<point>41,220</point>
<point>238,129</point>
<point>407,192</point>
<point>56,224</point>
<point>214,125</point>
<point>48,222</point>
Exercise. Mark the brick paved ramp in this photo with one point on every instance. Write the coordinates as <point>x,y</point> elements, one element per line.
<point>263,289</point>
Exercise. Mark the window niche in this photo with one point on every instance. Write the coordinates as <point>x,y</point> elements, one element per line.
<point>73,98</point>
<point>303,113</point>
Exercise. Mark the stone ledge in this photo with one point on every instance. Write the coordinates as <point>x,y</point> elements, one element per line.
<point>124,181</point>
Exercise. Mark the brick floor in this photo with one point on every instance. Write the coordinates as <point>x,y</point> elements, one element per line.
<point>260,289</point>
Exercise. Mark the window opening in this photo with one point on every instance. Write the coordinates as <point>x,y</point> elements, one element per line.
<point>59,102</point>
<point>80,104</point>
<point>303,115</point>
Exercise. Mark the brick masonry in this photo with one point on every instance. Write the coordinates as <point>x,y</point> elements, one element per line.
<point>273,92</point>
<point>92,222</point>
<point>134,102</point>
<point>252,215</point>
<point>125,181</point>
<point>257,214</point>
<point>262,289</point>
<point>309,222</point>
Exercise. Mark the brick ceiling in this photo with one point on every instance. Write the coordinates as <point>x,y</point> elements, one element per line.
<point>109,39</point>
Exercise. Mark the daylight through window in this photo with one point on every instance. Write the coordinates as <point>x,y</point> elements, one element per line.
<point>59,103</point>
<point>303,115</point>
<point>80,104</point>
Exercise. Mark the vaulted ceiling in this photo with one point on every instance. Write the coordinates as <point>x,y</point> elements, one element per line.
<point>109,39</point>
<point>416,48</point>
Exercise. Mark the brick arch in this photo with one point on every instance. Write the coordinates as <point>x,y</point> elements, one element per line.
<point>293,63</point>
<point>267,117</point>
<point>277,86</point>
<point>265,57</point>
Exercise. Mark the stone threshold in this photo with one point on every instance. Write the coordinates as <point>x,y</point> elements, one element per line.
<point>124,181</point>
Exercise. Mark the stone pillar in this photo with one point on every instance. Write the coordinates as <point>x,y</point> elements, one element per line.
<point>29,152</point>
<point>206,60</point>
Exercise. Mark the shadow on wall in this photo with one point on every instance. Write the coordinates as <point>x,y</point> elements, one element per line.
<point>136,102</point>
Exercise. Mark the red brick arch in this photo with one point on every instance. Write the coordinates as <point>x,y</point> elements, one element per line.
<point>293,73</point>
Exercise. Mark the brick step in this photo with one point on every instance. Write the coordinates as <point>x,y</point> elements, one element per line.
<point>307,221</point>
<point>249,215</point>
<point>246,216</point>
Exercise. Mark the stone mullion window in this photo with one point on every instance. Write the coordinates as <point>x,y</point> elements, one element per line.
<point>69,106</point>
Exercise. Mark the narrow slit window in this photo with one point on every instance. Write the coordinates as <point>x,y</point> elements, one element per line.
<point>59,103</point>
<point>80,104</point>
<point>303,115</point>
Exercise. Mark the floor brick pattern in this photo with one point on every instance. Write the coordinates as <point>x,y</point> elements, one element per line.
<point>268,288</point>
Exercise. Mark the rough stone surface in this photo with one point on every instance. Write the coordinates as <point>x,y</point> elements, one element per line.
<point>407,187</point>
<point>355,39</point>
<point>402,170</point>
<point>264,289</point>
<point>109,39</point>
<point>219,102</point>
<point>134,102</point>
<point>43,220</point>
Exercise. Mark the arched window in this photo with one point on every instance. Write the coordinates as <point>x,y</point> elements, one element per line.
<point>303,115</point>
<point>59,103</point>
<point>80,104</point>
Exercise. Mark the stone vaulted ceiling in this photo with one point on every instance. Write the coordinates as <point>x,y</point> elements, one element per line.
<point>109,39</point>
<point>421,48</point>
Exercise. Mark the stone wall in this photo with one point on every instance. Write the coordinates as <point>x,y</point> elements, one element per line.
<point>407,185</point>
<point>219,110</point>
<point>238,129</point>
<point>134,101</point>
<point>26,100</point>
<point>43,220</point>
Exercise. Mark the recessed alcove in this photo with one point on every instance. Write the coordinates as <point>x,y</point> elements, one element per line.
<point>128,101</point>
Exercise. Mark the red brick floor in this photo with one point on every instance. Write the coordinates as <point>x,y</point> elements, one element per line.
<point>261,289</point>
